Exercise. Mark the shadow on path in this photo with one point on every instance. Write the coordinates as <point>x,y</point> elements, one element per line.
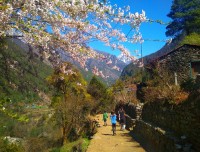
<point>107,134</point>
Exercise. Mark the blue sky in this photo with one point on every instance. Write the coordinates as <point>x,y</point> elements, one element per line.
<point>155,10</point>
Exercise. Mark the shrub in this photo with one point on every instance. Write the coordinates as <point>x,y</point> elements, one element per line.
<point>193,39</point>
<point>5,146</point>
<point>79,145</point>
<point>171,94</point>
<point>35,144</point>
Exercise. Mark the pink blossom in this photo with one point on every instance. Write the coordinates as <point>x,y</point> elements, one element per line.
<point>73,25</point>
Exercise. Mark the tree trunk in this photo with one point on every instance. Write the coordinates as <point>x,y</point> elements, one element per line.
<point>64,135</point>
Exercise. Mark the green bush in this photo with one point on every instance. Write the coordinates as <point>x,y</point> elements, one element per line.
<point>35,144</point>
<point>55,150</point>
<point>5,146</point>
<point>79,145</point>
<point>193,39</point>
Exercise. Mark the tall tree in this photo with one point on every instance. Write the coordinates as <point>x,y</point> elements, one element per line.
<point>103,97</point>
<point>185,15</point>
<point>96,88</point>
<point>70,101</point>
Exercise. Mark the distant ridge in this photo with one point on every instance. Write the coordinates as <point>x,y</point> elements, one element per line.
<point>111,73</point>
<point>163,51</point>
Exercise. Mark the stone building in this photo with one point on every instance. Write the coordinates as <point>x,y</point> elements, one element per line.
<point>183,63</point>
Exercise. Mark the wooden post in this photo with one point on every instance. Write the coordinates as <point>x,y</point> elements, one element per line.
<point>175,76</point>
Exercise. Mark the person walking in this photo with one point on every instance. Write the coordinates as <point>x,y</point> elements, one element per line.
<point>105,117</point>
<point>122,118</point>
<point>113,119</point>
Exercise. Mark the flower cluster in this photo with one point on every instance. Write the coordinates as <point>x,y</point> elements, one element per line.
<point>96,71</point>
<point>69,25</point>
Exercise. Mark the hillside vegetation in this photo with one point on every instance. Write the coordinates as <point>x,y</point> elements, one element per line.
<point>22,75</point>
<point>40,105</point>
<point>193,39</point>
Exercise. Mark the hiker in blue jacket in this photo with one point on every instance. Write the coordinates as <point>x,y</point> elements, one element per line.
<point>113,119</point>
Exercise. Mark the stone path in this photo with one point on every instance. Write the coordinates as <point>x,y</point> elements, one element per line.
<point>104,141</point>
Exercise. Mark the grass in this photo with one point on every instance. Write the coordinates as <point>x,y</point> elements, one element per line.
<point>193,39</point>
<point>79,145</point>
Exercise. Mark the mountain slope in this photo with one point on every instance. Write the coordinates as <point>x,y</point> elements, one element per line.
<point>164,50</point>
<point>130,70</point>
<point>22,75</point>
<point>108,69</point>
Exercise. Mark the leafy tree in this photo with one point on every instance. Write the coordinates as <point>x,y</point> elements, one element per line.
<point>71,101</point>
<point>119,85</point>
<point>121,90</point>
<point>103,96</point>
<point>185,15</point>
<point>193,39</point>
<point>96,88</point>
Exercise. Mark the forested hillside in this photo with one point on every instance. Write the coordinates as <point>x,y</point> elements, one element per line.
<point>22,74</point>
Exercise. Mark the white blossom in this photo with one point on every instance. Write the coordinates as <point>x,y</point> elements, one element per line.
<point>70,25</point>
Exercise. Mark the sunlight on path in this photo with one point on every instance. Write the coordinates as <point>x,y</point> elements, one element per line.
<point>104,141</point>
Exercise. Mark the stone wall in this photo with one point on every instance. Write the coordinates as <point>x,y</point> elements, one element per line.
<point>132,113</point>
<point>179,61</point>
<point>165,127</point>
<point>155,139</point>
<point>183,119</point>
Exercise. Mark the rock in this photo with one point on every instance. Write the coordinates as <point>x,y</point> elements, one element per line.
<point>13,140</point>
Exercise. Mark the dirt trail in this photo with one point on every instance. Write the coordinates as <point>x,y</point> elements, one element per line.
<point>104,141</point>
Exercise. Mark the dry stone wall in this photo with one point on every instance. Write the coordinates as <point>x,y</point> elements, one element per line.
<point>182,120</point>
<point>132,113</point>
<point>165,127</point>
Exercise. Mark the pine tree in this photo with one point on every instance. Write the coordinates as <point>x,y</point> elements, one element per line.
<point>185,15</point>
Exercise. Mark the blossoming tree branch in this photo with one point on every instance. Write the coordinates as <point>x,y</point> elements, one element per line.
<point>70,25</point>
